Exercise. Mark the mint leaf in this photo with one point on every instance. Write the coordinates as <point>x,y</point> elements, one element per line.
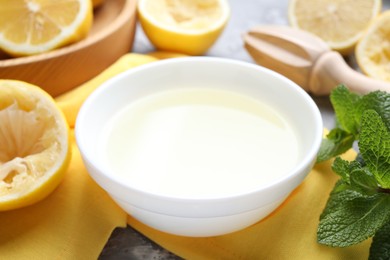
<point>337,142</point>
<point>378,101</point>
<point>363,181</point>
<point>357,177</point>
<point>374,146</point>
<point>341,192</point>
<point>342,168</point>
<point>380,247</point>
<point>344,103</point>
<point>352,220</point>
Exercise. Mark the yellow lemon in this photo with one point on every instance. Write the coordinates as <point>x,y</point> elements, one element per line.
<point>340,23</point>
<point>34,26</point>
<point>34,144</point>
<point>373,50</point>
<point>184,26</point>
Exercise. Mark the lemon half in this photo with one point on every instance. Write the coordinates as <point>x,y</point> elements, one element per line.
<point>29,27</point>
<point>34,144</point>
<point>184,26</point>
<point>340,23</point>
<point>373,50</point>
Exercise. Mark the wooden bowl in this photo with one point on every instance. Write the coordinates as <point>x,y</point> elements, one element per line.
<point>57,71</point>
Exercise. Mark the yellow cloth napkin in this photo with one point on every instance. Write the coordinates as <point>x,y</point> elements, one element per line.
<point>71,101</point>
<point>288,233</point>
<point>76,220</point>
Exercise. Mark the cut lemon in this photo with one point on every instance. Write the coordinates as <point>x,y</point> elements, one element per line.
<point>34,144</point>
<point>340,23</point>
<point>373,50</point>
<point>34,26</point>
<point>184,26</point>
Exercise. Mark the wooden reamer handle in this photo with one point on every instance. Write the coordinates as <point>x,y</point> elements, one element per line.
<point>331,70</point>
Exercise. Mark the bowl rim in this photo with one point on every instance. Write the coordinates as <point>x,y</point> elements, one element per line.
<point>307,160</point>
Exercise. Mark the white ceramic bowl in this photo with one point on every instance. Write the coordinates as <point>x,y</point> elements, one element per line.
<point>203,216</point>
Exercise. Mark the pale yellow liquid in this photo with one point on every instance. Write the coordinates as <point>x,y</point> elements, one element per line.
<point>198,143</point>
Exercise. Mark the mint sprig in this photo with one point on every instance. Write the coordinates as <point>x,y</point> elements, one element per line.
<point>359,205</point>
<point>349,108</point>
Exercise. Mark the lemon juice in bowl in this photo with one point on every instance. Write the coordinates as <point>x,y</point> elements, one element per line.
<point>186,142</point>
<point>199,146</point>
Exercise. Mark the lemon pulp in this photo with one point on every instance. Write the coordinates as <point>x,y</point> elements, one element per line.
<point>29,27</point>
<point>185,14</point>
<point>340,23</point>
<point>373,50</point>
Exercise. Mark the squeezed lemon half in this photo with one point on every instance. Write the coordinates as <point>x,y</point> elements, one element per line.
<point>373,50</point>
<point>34,144</point>
<point>184,26</point>
<point>29,27</point>
<point>340,23</point>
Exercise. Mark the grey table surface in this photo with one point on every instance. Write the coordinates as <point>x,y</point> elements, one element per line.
<point>127,243</point>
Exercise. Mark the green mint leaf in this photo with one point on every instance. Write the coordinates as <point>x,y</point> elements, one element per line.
<point>352,220</point>
<point>342,168</point>
<point>380,246</point>
<point>363,181</point>
<point>378,101</point>
<point>341,192</point>
<point>356,176</point>
<point>337,142</point>
<point>344,103</point>
<point>374,146</point>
